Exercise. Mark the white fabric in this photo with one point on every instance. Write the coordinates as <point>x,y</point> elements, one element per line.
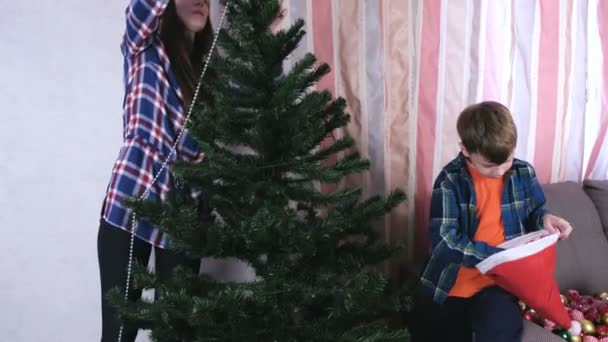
<point>519,248</point>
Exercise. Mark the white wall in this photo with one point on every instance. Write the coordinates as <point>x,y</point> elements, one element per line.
<point>60,130</point>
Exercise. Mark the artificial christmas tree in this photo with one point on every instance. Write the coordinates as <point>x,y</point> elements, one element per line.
<point>313,253</point>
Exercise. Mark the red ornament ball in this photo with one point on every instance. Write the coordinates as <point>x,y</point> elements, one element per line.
<point>601,330</point>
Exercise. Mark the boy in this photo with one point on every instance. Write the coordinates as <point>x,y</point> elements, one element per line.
<point>480,199</point>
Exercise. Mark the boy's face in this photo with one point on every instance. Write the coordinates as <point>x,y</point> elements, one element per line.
<point>486,168</point>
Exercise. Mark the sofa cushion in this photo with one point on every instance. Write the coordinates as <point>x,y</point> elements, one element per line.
<point>581,259</point>
<point>598,192</point>
<point>535,333</point>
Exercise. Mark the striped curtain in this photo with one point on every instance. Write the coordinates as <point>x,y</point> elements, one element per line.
<point>407,68</point>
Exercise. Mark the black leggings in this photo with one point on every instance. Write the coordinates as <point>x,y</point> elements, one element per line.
<point>113,253</point>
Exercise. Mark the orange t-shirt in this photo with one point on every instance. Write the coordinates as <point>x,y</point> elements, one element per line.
<point>489,230</point>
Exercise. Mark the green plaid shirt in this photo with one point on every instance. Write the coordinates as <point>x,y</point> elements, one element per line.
<point>453,221</point>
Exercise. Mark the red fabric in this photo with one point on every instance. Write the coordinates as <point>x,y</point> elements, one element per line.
<point>531,279</point>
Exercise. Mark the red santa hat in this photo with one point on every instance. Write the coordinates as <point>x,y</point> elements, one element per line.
<point>525,269</point>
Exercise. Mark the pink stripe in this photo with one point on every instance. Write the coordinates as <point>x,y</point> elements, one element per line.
<point>322,27</point>
<point>602,17</point>
<point>323,40</point>
<point>495,49</point>
<point>427,107</point>
<point>547,89</point>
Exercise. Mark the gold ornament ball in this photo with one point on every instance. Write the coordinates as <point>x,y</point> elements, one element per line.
<point>564,299</point>
<point>522,305</point>
<point>603,296</point>
<point>588,327</point>
<point>576,338</point>
<point>604,319</point>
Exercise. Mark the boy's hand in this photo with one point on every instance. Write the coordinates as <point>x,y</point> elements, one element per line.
<point>556,224</point>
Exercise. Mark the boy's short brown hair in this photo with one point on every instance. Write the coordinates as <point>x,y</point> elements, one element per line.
<point>487,128</point>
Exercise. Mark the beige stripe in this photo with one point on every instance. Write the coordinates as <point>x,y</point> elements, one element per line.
<point>285,22</point>
<point>398,54</point>
<point>507,61</point>
<point>415,37</point>
<point>337,67</point>
<point>363,113</point>
<point>309,38</point>
<point>481,49</point>
<point>466,64</point>
<point>347,51</point>
<point>308,25</point>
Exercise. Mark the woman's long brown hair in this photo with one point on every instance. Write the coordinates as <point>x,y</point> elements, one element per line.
<point>186,63</point>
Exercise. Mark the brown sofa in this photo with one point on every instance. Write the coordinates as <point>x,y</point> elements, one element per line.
<point>582,260</point>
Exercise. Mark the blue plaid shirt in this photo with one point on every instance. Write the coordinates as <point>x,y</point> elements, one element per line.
<point>453,221</point>
<point>153,117</point>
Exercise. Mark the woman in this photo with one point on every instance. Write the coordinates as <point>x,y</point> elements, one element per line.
<point>163,47</point>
